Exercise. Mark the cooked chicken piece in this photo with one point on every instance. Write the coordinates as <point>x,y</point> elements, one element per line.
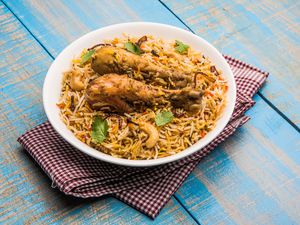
<point>108,59</point>
<point>119,90</point>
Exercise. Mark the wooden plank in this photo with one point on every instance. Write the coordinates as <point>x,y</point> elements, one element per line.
<point>252,178</point>
<point>26,195</point>
<point>57,23</point>
<point>214,191</point>
<point>264,33</point>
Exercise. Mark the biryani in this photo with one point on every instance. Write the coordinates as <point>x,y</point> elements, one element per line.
<point>141,97</point>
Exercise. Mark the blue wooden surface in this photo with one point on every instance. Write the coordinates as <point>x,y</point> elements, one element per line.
<point>263,33</point>
<point>26,195</point>
<point>252,178</point>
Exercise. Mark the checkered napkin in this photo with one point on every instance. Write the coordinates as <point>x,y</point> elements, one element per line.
<point>146,189</point>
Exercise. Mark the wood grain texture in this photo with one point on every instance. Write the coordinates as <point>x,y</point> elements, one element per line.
<point>264,33</point>
<point>26,195</point>
<point>57,23</point>
<point>247,178</point>
<point>252,178</point>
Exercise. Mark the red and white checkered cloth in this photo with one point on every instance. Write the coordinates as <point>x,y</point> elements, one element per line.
<point>146,189</point>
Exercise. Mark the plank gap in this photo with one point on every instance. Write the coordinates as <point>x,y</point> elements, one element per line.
<point>27,29</point>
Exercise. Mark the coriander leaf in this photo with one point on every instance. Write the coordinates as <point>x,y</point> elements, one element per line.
<point>181,47</point>
<point>133,48</point>
<point>163,118</point>
<point>87,56</point>
<point>99,130</point>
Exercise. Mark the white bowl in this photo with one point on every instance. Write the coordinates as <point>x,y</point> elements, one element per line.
<point>53,82</point>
